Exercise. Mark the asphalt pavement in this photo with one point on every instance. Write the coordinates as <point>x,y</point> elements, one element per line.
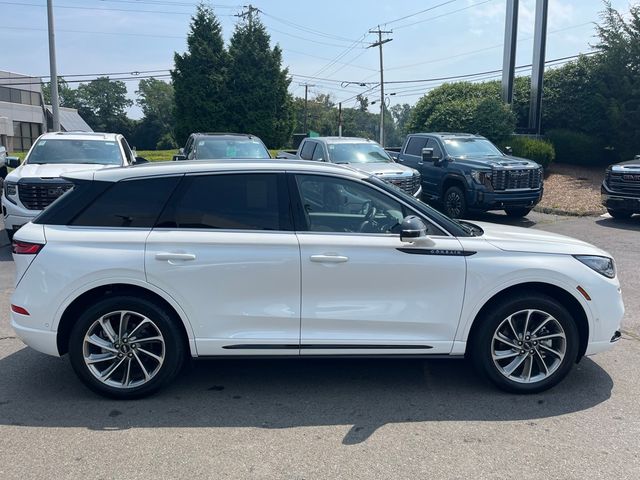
<point>312,419</point>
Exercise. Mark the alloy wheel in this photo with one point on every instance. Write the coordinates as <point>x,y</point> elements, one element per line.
<point>123,349</point>
<point>528,346</point>
<point>454,204</point>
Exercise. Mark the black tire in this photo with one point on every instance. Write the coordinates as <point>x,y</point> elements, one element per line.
<point>620,214</point>
<point>483,342</point>
<point>455,204</point>
<point>173,352</point>
<point>517,212</point>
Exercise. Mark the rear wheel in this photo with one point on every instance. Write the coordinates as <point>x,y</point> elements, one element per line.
<point>455,204</point>
<point>517,212</point>
<point>619,213</point>
<point>526,344</point>
<point>126,347</point>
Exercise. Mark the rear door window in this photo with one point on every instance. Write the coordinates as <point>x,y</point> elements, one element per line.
<point>129,203</point>
<point>415,146</point>
<point>307,150</point>
<point>247,201</point>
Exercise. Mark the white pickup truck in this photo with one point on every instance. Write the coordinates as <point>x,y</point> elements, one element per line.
<point>360,154</point>
<point>36,183</point>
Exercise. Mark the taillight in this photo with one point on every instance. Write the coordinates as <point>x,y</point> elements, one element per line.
<point>26,248</point>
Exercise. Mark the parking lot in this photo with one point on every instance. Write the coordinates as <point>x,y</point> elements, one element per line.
<point>333,418</point>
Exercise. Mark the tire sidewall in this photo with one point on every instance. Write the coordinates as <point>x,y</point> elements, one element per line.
<point>174,348</point>
<point>482,347</point>
<point>463,202</point>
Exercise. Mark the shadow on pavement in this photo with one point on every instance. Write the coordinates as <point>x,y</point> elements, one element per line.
<point>632,223</point>
<point>37,390</point>
<point>500,218</point>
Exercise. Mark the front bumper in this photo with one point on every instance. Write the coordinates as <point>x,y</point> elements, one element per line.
<point>15,216</point>
<point>619,201</point>
<point>488,200</point>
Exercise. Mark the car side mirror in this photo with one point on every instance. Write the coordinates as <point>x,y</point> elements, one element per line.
<point>140,161</point>
<point>12,162</point>
<point>427,154</point>
<point>179,157</point>
<point>412,229</point>
<point>508,150</point>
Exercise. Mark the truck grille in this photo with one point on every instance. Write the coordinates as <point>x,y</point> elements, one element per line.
<point>624,182</point>
<point>529,178</point>
<point>38,196</point>
<point>409,184</point>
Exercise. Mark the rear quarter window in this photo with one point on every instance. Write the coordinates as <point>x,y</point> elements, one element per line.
<point>128,203</point>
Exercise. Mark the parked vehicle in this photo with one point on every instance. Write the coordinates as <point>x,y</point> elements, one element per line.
<point>35,184</point>
<point>621,188</point>
<point>465,172</point>
<point>137,268</point>
<point>216,146</point>
<point>360,154</point>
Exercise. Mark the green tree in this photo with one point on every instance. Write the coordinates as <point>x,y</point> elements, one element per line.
<point>401,115</point>
<point>67,96</point>
<point>107,101</point>
<point>199,78</point>
<point>155,97</point>
<point>257,85</point>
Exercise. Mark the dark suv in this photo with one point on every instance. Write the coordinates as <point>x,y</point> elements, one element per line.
<point>467,172</point>
<point>621,188</point>
<point>208,146</point>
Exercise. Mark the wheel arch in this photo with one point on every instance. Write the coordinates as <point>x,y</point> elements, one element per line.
<point>565,298</point>
<point>92,295</point>
<point>453,181</point>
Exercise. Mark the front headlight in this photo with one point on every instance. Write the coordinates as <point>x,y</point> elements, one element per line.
<point>603,265</point>
<point>482,177</point>
<point>10,188</point>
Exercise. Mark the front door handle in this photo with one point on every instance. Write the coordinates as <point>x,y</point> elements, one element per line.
<point>175,256</point>
<point>328,258</point>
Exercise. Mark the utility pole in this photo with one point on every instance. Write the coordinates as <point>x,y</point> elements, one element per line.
<point>248,14</point>
<point>306,90</point>
<point>379,44</point>
<point>509,55</point>
<point>340,119</point>
<point>53,74</point>
<point>537,73</point>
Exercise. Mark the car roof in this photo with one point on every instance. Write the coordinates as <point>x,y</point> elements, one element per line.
<point>223,135</point>
<point>342,139</point>
<point>449,134</point>
<point>79,136</point>
<point>153,169</point>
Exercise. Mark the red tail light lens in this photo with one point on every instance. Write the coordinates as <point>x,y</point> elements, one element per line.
<point>25,248</point>
<point>20,310</point>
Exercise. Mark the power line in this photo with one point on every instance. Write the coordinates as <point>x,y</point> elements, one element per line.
<point>165,3</point>
<point>307,29</point>
<point>420,12</point>
<point>443,15</point>
<point>95,32</point>
<point>271,29</point>
<point>70,7</point>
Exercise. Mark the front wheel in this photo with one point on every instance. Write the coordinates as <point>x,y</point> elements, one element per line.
<point>619,213</point>
<point>517,212</point>
<point>526,344</point>
<point>125,347</point>
<point>455,204</point>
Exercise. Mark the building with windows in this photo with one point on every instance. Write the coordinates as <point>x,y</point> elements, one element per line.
<point>23,115</point>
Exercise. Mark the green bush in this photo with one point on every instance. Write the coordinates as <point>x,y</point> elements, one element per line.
<point>578,148</point>
<point>540,151</point>
<point>166,142</point>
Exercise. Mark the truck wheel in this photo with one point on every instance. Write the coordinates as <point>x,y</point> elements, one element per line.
<point>619,213</point>
<point>455,204</point>
<point>517,212</point>
<point>126,347</point>
<point>526,344</point>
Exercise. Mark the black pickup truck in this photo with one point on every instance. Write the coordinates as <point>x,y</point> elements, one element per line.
<point>621,188</point>
<point>465,172</point>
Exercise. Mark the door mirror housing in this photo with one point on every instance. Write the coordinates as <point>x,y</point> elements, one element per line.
<point>179,157</point>
<point>140,161</point>
<point>508,150</point>
<point>427,155</point>
<point>12,162</point>
<point>412,229</point>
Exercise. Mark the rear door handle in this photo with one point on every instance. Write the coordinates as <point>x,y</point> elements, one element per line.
<point>329,258</point>
<point>175,256</point>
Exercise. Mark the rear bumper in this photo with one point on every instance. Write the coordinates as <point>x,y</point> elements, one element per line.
<point>619,201</point>
<point>44,341</point>
<point>486,200</point>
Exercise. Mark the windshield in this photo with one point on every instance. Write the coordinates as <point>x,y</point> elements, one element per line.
<point>470,147</point>
<point>212,148</point>
<point>357,153</point>
<point>454,227</point>
<point>75,151</point>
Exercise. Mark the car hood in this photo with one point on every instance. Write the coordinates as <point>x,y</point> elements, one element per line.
<point>496,161</point>
<point>382,169</point>
<point>50,170</point>
<point>518,239</point>
<point>632,166</point>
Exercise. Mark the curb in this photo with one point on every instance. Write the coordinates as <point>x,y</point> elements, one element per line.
<point>567,213</point>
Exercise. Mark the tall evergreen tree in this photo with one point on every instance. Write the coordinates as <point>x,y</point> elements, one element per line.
<point>199,78</point>
<point>258,98</point>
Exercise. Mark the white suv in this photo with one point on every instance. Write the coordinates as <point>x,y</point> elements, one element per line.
<point>137,268</point>
<point>35,184</point>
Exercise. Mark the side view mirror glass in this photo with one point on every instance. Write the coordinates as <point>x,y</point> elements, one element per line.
<point>508,150</point>
<point>12,162</point>
<point>427,154</point>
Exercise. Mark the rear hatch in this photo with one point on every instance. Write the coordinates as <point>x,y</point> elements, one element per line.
<point>27,243</point>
